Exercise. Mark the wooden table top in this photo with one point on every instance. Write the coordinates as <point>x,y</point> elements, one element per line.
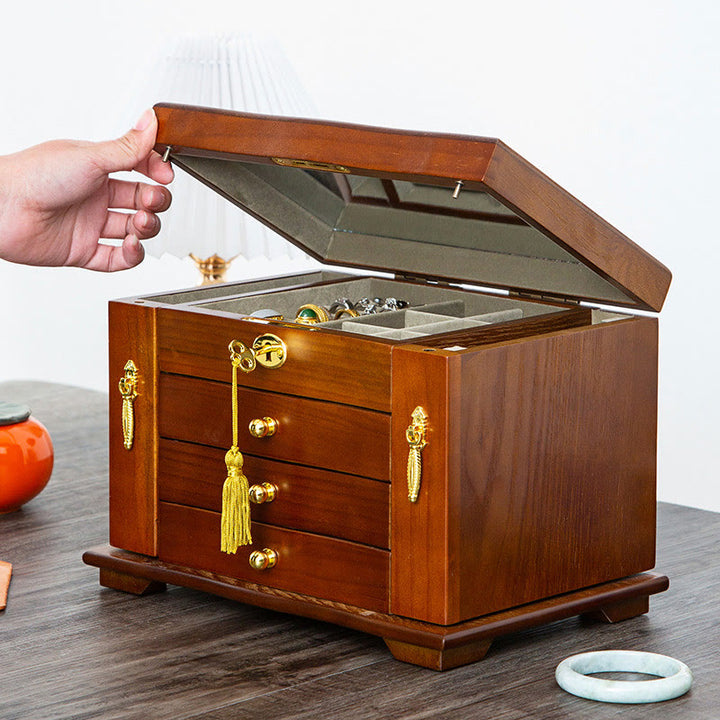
<point>71,649</point>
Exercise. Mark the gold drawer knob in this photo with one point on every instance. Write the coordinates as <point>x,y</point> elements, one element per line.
<point>263,559</point>
<point>263,427</point>
<point>263,493</point>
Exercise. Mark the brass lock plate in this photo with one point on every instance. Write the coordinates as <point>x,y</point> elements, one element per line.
<point>270,351</point>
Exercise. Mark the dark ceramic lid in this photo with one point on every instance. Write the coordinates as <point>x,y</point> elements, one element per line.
<point>13,413</point>
<point>444,208</point>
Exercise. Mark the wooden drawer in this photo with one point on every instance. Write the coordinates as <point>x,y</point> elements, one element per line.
<point>311,432</point>
<point>326,503</point>
<point>330,366</point>
<point>323,567</point>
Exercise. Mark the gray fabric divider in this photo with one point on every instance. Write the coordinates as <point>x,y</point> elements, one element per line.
<point>448,325</point>
<point>442,324</point>
<point>364,328</point>
<point>400,334</point>
<point>500,316</point>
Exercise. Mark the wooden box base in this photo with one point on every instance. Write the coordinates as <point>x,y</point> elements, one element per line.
<point>432,646</point>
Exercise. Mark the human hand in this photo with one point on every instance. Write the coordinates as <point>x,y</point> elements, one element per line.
<point>57,201</point>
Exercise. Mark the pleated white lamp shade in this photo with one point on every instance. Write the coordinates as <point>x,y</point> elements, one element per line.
<point>239,72</point>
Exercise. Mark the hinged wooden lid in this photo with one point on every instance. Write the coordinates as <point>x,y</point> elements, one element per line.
<point>448,207</point>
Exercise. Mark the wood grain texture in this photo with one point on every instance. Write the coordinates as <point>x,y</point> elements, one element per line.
<point>73,650</point>
<point>327,503</point>
<point>323,365</point>
<point>481,163</point>
<point>528,442</point>
<point>565,427</point>
<point>438,659</point>
<point>311,432</point>
<point>420,532</point>
<point>129,583</point>
<point>545,205</point>
<point>617,612</point>
<point>315,565</point>
<point>133,482</point>
<point>354,146</point>
<point>426,635</point>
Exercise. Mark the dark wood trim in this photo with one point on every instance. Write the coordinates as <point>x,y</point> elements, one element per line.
<point>507,331</point>
<point>392,627</point>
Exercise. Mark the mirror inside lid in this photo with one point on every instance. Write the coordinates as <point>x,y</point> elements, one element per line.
<point>453,208</point>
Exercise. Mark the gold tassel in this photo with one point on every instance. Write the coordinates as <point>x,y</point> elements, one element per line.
<point>235,518</point>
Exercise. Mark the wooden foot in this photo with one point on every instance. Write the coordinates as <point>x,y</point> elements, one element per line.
<point>129,583</point>
<point>438,659</point>
<point>409,640</point>
<point>619,611</point>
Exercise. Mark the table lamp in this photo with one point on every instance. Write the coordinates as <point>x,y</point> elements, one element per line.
<point>248,72</point>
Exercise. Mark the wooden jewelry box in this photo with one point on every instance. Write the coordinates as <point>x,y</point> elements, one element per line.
<point>454,445</point>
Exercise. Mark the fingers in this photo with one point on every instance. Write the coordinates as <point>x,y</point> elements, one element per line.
<point>146,199</point>
<point>131,254</point>
<point>112,259</point>
<point>138,196</point>
<point>128,151</point>
<point>154,168</point>
<point>142,224</point>
<point>134,151</point>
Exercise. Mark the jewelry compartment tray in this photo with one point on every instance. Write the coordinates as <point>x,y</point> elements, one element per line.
<point>431,310</point>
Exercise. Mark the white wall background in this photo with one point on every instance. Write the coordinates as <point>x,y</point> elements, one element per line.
<point>619,102</point>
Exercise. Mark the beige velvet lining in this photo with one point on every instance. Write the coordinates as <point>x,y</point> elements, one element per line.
<point>434,309</point>
<point>308,213</point>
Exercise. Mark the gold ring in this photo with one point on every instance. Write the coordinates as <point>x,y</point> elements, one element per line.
<point>345,312</point>
<point>310,314</point>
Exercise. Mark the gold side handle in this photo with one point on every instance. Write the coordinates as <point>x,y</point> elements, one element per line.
<point>128,390</point>
<point>415,435</point>
<point>263,427</point>
<point>263,559</point>
<point>264,493</point>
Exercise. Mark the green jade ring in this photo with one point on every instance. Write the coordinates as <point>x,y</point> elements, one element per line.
<point>311,314</point>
